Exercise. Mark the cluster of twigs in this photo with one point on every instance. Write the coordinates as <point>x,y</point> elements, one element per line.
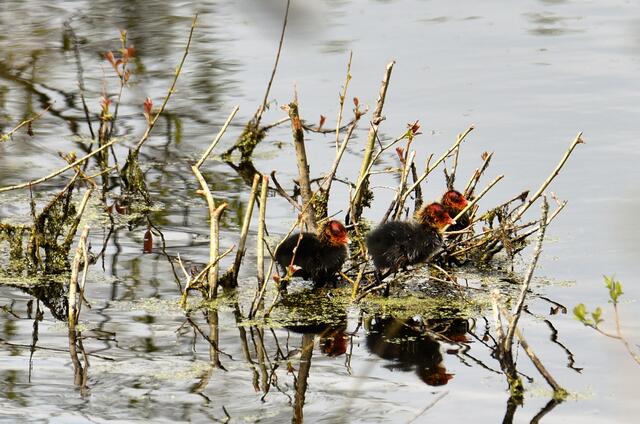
<point>503,229</point>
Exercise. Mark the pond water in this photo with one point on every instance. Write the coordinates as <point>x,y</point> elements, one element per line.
<point>528,75</point>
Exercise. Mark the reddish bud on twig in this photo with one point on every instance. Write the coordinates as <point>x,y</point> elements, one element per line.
<point>129,52</point>
<point>400,152</point>
<point>414,128</point>
<point>323,119</point>
<point>148,105</point>
<point>112,60</point>
<point>104,105</point>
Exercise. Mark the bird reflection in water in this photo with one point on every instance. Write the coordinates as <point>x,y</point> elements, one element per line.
<point>412,344</point>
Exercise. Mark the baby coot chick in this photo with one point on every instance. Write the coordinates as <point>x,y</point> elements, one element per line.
<point>318,256</point>
<point>396,244</point>
<point>454,202</point>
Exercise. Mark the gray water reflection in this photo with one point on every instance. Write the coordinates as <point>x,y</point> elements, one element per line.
<point>457,64</point>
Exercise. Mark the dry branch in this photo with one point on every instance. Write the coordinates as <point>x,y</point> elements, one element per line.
<point>376,119</point>
<point>58,172</point>
<point>6,137</point>
<point>246,222</point>
<point>171,90</point>
<point>309,213</point>
<point>75,292</point>
<point>459,140</point>
<point>217,138</point>
<point>545,184</point>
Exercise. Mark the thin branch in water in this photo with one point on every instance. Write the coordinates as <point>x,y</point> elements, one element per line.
<point>6,137</point>
<point>263,106</point>
<point>171,90</point>
<point>529,274</point>
<point>246,222</point>
<point>217,138</point>
<point>59,171</point>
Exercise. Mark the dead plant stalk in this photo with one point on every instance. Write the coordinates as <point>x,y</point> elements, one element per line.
<point>459,140</point>
<point>376,119</point>
<point>309,215</point>
<point>545,184</point>
<point>246,222</point>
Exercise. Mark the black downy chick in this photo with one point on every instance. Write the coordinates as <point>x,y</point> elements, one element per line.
<point>318,257</point>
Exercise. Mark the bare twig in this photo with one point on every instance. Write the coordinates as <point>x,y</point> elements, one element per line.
<point>376,119</point>
<point>214,228</point>
<point>263,106</point>
<point>309,215</point>
<point>459,140</point>
<point>342,97</point>
<point>59,171</point>
<point>282,192</point>
<point>471,185</point>
<point>200,275</point>
<point>7,136</point>
<point>215,141</point>
<point>476,199</point>
<point>545,184</point>
<point>171,90</point>
<point>246,222</point>
<point>528,276</point>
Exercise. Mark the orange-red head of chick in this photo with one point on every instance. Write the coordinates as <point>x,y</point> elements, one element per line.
<point>333,233</point>
<point>454,201</point>
<point>434,215</point>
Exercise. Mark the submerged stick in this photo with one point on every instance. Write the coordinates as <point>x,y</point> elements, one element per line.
<point>59,171</point>
<point>557,388</point>
<point>556,171</point>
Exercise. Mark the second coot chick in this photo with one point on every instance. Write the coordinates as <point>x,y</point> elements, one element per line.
<point>454,202</point>
<point>318,256</point>
<point>396,244</point>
